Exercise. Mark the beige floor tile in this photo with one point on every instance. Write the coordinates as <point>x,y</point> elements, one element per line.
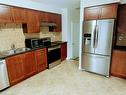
<point>66,79</point>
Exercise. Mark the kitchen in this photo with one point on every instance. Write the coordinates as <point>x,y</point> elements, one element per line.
<point>69,65</point>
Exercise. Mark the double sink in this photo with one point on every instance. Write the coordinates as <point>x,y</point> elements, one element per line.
<point>15,51</point>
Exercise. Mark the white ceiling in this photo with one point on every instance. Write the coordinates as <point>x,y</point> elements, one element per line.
<point>60,3</point>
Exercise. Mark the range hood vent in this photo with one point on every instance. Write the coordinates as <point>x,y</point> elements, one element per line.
<point>48,24</point>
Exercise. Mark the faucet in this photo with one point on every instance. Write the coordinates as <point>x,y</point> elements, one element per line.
<point>13,47</point>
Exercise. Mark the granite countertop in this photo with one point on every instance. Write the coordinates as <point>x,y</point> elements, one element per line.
<point>9,53</point>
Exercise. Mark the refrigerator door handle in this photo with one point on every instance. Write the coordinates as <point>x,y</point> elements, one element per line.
<point>94,39</point>
<point>97,33</point>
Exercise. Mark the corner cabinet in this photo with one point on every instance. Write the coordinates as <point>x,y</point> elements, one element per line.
<point>118,67</point>
<point>101,12</point>
<point>63,51</point>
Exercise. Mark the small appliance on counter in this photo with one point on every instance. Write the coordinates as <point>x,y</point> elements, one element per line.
<point>32,42</point>
<point>45,41</point>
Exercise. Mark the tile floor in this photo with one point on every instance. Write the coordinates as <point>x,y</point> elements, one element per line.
<point>66,79</point>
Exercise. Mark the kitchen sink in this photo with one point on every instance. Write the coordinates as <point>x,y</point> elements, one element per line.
<point>18,50</point>
<point>9,52</point>
<point>22,49</point>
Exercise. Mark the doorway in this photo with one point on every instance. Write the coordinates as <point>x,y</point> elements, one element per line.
<point>75,39</point>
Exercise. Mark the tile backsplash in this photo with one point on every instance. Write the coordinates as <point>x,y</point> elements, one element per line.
<point>11,34</point>
<point>44,32</point>
<point>55,36</point>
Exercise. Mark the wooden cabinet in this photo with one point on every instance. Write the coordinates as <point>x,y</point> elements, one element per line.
<point>30,19</point>
<point>58,23</point>
<point>91,13</point>
<point>63,51</point>
<point>19,15</point>
<point>30,66</point>
<point>118,67</point>
<point>52,17</point>
<point>101,12</point>
<point>33,22</point>
<point>44,17</point>
<point>24,65</point>
<point>5,14</point>
<point>41,59</point>
<point>109,11</point>
<point>15,68</point>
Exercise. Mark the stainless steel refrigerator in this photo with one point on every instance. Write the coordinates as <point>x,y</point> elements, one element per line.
<point>97,45</point>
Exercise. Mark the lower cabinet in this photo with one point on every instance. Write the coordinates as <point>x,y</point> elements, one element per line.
<point>15,68</point>
<point>24,65</point>
<point>63,51</point>
<point>118,67</point>
<point>30,66</point>
<point>41,59</point>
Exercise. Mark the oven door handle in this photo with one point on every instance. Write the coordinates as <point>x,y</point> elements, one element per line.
<point>53,48</point>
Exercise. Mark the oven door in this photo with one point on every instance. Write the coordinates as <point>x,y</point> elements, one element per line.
<point>54,56</point>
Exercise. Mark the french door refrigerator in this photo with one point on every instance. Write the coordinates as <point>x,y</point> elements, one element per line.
<point>97,45</point>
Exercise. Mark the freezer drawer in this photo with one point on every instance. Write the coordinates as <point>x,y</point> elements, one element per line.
<point>96,64</point>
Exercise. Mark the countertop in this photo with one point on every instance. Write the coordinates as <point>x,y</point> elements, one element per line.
<point>3,55</point>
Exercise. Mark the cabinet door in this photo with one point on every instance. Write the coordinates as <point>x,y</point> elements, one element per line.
<point>41,59</point>
<point>33,21</point>
<point>118,67</point>
<point>30,67</point>
<point>19,15</point>
<point>52,17</point>
<point>44,17</point>
<point>91,13</point>
<point>15,69</point>
<point>58,21</point>
<point>63,51</point>
<point>5,14</point>
<point>108,11</point>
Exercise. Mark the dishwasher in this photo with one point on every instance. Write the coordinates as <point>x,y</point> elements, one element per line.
<point>4,81</point>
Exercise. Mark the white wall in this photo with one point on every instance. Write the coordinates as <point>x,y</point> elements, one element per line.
<point>32,5</point>
<point>69,16</point>
<point>123,1</point>
<point>87,3</point>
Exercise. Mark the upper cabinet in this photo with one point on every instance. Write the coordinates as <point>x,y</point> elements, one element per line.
<point>19,15</point>
<point>5,14</point>
<point>30,19</point>
<point>109,11</point>
<point>52,18</point>
<point>58,22</point>
<point>101,12</point>
<point>33,22</point>
<point>91,13</point>
<point>44,17</point>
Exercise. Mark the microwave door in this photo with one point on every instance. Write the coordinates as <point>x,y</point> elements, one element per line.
<point>104,35</point>
<point>89,30</point>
